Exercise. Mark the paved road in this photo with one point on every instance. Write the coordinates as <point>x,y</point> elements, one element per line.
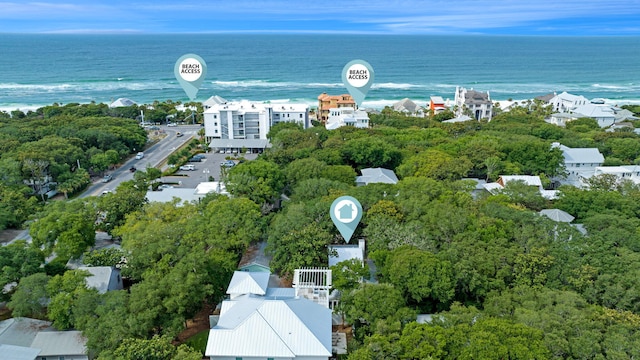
<point>154,156</point>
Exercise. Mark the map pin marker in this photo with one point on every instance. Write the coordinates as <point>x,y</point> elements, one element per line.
<point>190,71</point>
<point>346,213</point>
<point>357,77</point>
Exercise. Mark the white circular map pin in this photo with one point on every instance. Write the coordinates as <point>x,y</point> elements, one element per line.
<point>357,77</point>
<point>190,70</point>
<point>346,213</point>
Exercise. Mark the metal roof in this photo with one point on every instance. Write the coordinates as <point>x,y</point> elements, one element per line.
<point>21,331</point>
<point>60,343</point>
<point>248,282</point>
<point>102,278</point>
<point>345,252</point>
<point>377,175</point>
<point>260,327</point>
<point>12,352</point>
<point>582,155</point>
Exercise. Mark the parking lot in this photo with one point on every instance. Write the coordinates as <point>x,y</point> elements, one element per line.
<point>209,166</point>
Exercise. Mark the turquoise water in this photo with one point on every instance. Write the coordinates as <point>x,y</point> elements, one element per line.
<point>37,70</point>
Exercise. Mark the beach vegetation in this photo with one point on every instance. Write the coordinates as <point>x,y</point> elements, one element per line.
<point>497,279</point>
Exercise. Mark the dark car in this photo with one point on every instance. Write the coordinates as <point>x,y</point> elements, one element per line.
<point>200,156</point>
<point>195,159</point>
<point>133,169</point>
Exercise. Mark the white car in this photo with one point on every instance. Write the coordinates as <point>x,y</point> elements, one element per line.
<point>139,156</point>
<point>187,167</point>
<point>172,124</point>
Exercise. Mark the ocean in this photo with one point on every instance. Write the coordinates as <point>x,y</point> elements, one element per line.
<point>39,70</point>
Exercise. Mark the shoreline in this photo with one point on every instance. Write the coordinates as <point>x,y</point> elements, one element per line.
<point>372,104</point>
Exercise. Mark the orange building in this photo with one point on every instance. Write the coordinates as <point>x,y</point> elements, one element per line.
<point>326,102</point>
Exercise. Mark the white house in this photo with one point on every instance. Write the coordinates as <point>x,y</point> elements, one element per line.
<point>187,194</point>
<point>266,323</point>
<point>245,124</point>
<point>603,114</point>
<point>561,119</point>
<point>530,180</point>
<point>565,102</point>
<point>624,172</point>
<point>478,103</point>
<point>580,163</point>
<point>347,116</point>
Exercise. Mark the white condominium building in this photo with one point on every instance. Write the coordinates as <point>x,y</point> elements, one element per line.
<point>245,124</point>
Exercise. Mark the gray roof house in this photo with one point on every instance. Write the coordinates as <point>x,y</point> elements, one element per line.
<point>20,334</point>
<point>408,107</point>
<point>67,345</point>
<point>12,352</point>
<point>580,163</point>
<point>347,252</point>
<point>21,331</point>
<point>376,175</point>
<point>103,278</point>
<point>122,102</point>
<point>478,103</point>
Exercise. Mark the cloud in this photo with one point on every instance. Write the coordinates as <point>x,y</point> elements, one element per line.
<point>367,16</point>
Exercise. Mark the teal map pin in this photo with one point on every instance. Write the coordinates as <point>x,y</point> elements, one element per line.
<point>357,77</point>
<point>346,213</point>
<point>190,71</point>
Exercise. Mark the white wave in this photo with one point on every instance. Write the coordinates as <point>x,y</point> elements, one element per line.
<point>271,84</point>
<point>22,107</point>
<point>325,85</point>
<point>395,86</point>
<point>34,89</point>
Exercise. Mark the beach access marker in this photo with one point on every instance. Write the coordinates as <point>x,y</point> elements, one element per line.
<point>357,77</point>
<point>346,213</point>
<point>190,71</point>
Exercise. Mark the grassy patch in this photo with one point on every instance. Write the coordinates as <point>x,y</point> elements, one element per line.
<point>199,341</point>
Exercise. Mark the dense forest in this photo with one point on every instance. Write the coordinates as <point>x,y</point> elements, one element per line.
<point>497,279</point>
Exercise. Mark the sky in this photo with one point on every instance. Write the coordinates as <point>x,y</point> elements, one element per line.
<point>493,17</point>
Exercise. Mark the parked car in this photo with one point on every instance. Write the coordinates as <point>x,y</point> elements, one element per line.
<point>139,155</point>
<point>107,178</point>
<point>187,167</point>
<point>154,128</point>
<point>199,156</point>
<point>195,159</point>
<point>172,124</point>
<point>228,163</point>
